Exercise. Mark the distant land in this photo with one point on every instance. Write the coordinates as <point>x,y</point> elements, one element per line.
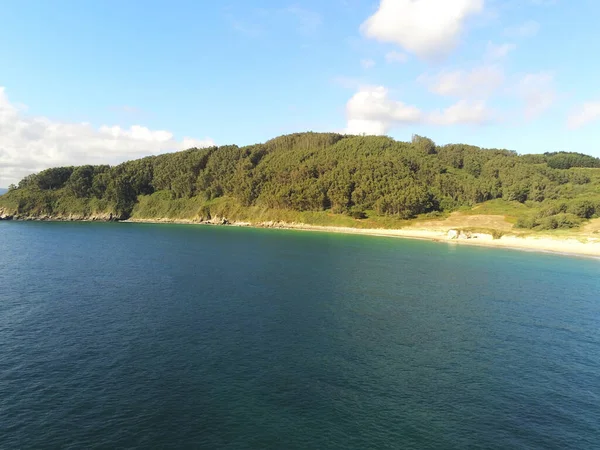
<point>3,191</point>
<point>337,182</point>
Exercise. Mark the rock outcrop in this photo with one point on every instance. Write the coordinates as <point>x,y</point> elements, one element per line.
<point>5,214</point>
<point>95,217</point>
<point>461,234</point>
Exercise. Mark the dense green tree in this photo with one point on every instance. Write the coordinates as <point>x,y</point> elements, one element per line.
<point>339,173</point>
<point>120,192</point>
<point>81,180</point>
<point>566,160</point>
<point>54,178</point>
<point>582,208</point>
<point>423,144</point>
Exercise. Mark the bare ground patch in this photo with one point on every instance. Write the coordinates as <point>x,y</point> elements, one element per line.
<point>592,227</point>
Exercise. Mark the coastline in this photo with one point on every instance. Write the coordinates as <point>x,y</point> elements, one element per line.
<point>544,244</point>
<point>583,245</point>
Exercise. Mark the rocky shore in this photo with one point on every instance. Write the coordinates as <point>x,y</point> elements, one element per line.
<point>99,217</point>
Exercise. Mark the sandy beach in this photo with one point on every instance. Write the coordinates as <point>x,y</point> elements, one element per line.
<point>589,246</point>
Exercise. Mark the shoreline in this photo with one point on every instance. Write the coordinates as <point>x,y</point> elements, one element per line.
<point>542,244</point>
<point>567,246</point>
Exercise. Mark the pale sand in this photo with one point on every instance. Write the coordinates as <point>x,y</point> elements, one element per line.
<point>589,247</point>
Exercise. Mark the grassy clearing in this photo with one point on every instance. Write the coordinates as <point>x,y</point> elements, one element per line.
<point>161,205</point>
<point>510,210</point>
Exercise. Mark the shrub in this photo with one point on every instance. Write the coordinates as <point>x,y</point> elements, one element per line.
<point>579,178</point>
<point>434,215</point>
<point>549,222</point>
<point>358,215</point>
<point>525,222</point>
<point>582,208</point>
<point>559,221</point>
<point>553,209</point>
<point>497,234</point>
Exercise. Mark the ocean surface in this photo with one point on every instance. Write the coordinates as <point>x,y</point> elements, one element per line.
<point>174,336</point>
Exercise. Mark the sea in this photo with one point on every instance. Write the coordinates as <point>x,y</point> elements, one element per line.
<point>140,336</point>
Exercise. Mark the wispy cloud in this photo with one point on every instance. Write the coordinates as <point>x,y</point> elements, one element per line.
<point>367,63</point>
<point>543,2</point>
<point>584,115</point>
<point>309,21</point>
<point>538,93</point>
<point>261,21</point>
<point>462,113</point>
<point>480,81</point>
<point>396,57</point>
<point>495,52</point>
<point>245,27</point>
<point>524,30</point>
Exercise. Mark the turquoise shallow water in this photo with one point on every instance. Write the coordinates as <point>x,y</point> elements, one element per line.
<point>159,336</point>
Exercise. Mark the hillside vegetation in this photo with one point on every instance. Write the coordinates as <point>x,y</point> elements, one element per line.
<point>324,178</point>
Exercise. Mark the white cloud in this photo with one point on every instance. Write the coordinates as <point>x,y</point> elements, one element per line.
<point>527,29</point>
<point>371,111</point>
<point>188,142</point>
<point>462,112</point>
<point>29,144</point>
<point>495,52</point>
<point>478,82</point>
<point>394,56</point>
<point>428,28</point>
<point>367,63</point>
<point>367,126</point>
<point>584,115</point>
<point>538,93</point>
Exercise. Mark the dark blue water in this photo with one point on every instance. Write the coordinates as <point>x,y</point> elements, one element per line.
<point>158,336</point>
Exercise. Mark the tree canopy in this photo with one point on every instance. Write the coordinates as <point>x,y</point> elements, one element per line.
<point>327,171</point>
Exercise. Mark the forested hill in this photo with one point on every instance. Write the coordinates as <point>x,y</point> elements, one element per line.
<point>355,175</point>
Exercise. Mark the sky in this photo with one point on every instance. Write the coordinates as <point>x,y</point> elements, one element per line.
<point>101,82</point>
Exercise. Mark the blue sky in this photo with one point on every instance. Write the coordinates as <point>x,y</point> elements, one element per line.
<point>105,81</point>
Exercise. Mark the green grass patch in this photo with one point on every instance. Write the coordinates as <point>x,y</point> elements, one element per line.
<point>498,207</point>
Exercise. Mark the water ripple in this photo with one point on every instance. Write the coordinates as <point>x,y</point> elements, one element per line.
<point>116,336</point>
